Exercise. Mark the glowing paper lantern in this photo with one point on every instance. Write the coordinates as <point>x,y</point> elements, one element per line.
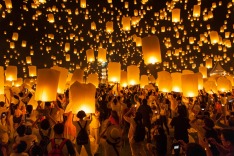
<point>151,50</point>
<point>2,79</point>
<point>133,75</point>
<point>28,60</point>
<point>184,72</point>
<point>62,79</point>
<point>230,78</point>
<point>90,55</point>
<point>50,18</point>
<point>126,23</point>
<point>138,41</point>
<point>18,82</point>
<point>223,84</point>
<point>190,85</point>
<point>77,76</point>
<point>124,79</point>
<point>67,57</point>
<point>83,3</point>
<point>209,63</point>
<point>203,71</point>
<point>109,27</point>
<point>93,78</point>
<point>47,85</point>
<point>82,97</point>
<point>196,11</point>
<point>8,4</point>
<point>101,55</point>
<point>32,71</point>
<point>144,81</point>
<point>67,47</point>
<point>200,81</point>
<point>114,71</point>
<point>164,81</point>
<point>15,36</point>
<point>176,82</point>
<point>175,15</point>
<point>11,73</point>
<point>214,37</point>
<point>210,87</point>
<point>152,79</point>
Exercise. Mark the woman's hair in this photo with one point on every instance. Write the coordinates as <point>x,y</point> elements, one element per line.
<point>81,114</point>
<point>228,135</point>
<point>21,147</point>
<point>194,149</point>
<point>45,124</point>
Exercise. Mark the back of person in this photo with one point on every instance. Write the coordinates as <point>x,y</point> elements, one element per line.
<point>57,147</point>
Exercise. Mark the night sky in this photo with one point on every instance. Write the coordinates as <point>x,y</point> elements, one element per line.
<point>73,25</point>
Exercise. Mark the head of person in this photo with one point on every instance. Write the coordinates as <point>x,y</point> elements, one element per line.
<point>227,137</point>
<point>209,123</point>
<point>21,147</point>
<point>59,128</point>
<point>81,114</point>
<point>21,130</point>
<point>28,130</point>
<point>45,124</point>
<point>182,111</point>
<point>195,149</point>
<point>144,101</point>
<point>36,150</point>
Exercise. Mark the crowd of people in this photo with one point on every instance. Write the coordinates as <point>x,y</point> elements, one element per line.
<point>151,122</point>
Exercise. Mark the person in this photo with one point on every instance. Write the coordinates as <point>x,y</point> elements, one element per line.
<point>210,132</point>
<point>94,129</point>
<point>181,125</point>
<point>82,123</point>
<point>136,147</point>
<point>163,117</point>
<point>68,148</point>
<point>227,139</point>
<point>111,141</point>
<point>147,114</point>
<point>19,149</point>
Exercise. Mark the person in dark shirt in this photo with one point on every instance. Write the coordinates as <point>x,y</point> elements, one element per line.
<point>181,125</point>
<point>147,113</point>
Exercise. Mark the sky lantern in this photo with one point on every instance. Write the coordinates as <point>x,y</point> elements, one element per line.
<point>133,75</point>
<point>114,71</point>
<point>12,45</point>
<point>93,26</point>
<point>77,76</point>
<point>62,78</point>
<point>190,85</point>
<point>8,4</point>
<point>90,55</point>
<point>164,81</point>
<point>184,72</point>
<point>83,3</point>
<point>175,15</point>
<point>47,85</point>
<point>93,78</point>
<point>81,97</point>
<point>126,23</point>
<point>67,57</point>
<point>138,41</point>
<point>28,60</point>
<point>214,37</point>
<point>203,71</point>
<point>223,84</point>
<point>32,71</point>
<point>209,63</point>
<point>50,18</point>
<point>124,79</point>
<point>109,27</point>
<point>18,82</point>
<point>2,79</point>
<point>67,47</point>
<point>230,78</point>
<point>15,36</point>
<point>151,50</point>
<point>176,82</point>
<point>144,81</point>
<point>210,87</point>
<point>196,10</point>
<point>101,55</point>
<point>11,73</point>
<point>200,80</point>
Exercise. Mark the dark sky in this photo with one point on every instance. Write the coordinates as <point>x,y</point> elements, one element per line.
<point>32,26</point>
